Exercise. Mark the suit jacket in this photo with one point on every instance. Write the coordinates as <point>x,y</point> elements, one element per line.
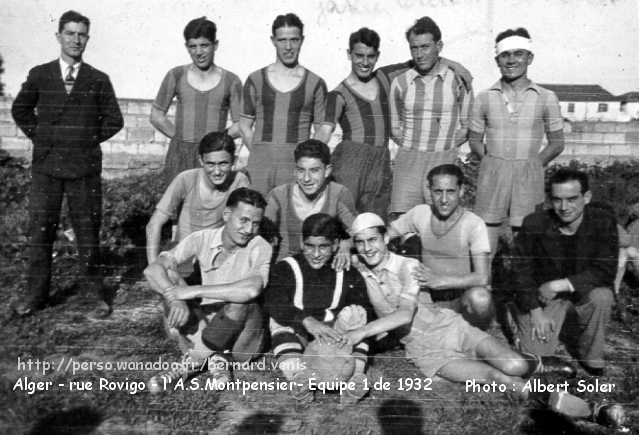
<point>67,129</point>
<point>539,255</point>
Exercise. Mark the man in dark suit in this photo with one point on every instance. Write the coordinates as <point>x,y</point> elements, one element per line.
<point>67,108</point>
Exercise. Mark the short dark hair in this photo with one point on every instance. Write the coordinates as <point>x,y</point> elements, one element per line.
<point>447,169</point>
<point>200,27</point>
<point>322,225</point>
<point>287,20</point>
<point>425,25</point>
<point>247,196</point>
<point>217,141</point>
<point>366,36</point>
<point>72,17</point>
<point>519,31</point>
<point>314,149</point>
<point>564,175</point>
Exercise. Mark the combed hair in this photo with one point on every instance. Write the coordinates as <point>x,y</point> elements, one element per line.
<point>425,25</point>
<point>72,17</point>
<point>366,36</point>
<point>564,175</point>
<point>519,31</point>
<point>447,169</point>
<point>314,149</point>
<point>247,196</point>
<point>217,141</point>
<point>322,225</point>
<point>287,20</point>
<point>200,27</point>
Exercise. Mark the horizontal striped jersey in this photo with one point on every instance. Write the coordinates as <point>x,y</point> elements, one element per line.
<point>515,129</point>
<point>362,120</point>
<point>427,110</point>
<point>283,117</point>
<point>199,112</point>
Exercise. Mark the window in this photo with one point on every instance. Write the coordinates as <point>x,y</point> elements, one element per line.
<point>602,107</point>
<point>571,107</point>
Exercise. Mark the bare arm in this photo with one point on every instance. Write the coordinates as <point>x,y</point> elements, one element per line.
<point>476,142</point>
<point>160,120</point>
<point>324,132</point>
<point>478,277</point>
<point>234,130</point>
<point>554,148</point>
<point>153,235</point>
<point>246,130</point>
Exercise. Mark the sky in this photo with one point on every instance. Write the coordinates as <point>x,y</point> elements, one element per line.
<point>136,42</point>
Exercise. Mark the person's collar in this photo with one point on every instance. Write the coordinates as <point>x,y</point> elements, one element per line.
<point>64,66</point>
<point>216,242</point>
<point>438,70</point>
<point>386,264</point>
<point>498,86</point>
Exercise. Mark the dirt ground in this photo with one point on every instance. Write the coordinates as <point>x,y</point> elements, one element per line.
<point>63,336</point>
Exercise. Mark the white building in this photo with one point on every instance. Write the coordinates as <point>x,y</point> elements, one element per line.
<point>586,102</point>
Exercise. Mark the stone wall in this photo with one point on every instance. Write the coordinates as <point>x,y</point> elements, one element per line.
<point>139,147</point>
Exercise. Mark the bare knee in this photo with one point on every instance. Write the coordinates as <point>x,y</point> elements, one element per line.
<point>515,367</point>
<point>479,298</point>
<point>236,311</point>
<point>601,296</point>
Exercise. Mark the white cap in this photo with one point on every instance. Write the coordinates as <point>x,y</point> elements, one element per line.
<point>366,220</point>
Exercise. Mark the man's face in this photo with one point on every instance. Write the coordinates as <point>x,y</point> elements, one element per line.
<point>513,64</point>
<point>202,52</point>
<point>73,40</point>
<point>242,223</point>
<point>568,202</point>
<point>363,59</point>
<point>445,193</point>
<point>424,51</point>
<point>371,246</point>
<point>288,42</point>
<point>311,174</point>
<point>318,250</point>
<point>217,166</point>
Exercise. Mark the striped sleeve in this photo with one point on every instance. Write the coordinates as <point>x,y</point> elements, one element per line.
<point>334,108</point>
<point>396,104</point>
<point>466,97</point>
<point>249,98</point>
<point>166,92</point>
<point>346,207</point>
<point>319,102</point>
<point>235,92</point>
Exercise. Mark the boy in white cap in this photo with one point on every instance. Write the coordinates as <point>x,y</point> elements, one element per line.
<point>438,340</point>
<point>513,115</point>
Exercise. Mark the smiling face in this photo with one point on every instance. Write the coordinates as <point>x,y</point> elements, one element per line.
<point>311,174</point>
<point>202,52</point>
<point>371,246</point>
<point>217,166</point>
<point>513,64</point>
<point>425,51</point>
<point>242,223</point>
<point>363,59</point>
<point>288,43</point>
<point>73,40</point>
<point>446,194</point>
<point>318,250</point>
<point>568,201</point>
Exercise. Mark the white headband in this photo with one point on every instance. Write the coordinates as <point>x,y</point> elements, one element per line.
<point>514,42</point>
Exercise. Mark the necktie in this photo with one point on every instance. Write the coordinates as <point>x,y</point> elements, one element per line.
<point>69,80</point>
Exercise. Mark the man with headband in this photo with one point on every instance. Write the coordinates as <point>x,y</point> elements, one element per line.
<point>513,115</point>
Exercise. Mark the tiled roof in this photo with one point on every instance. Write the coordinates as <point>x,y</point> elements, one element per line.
<point>631,97</point>
<point>580,92</point>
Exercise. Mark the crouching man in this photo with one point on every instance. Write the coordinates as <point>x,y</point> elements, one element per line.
<point>305,297</point>
<point>438,340</point>
<point>221,314</point>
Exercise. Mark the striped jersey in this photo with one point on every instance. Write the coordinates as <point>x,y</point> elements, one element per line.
<point>199,112</point>
<point>362,120</point>
<point>283,117</point>
<point>426,110</point>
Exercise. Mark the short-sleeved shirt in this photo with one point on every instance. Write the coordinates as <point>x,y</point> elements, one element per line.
<point>362,120</point>
<point>254,259</point>
<point>394,275</point>
<point>283,117</point>
<point>515,129</point>
<point>202,204</point>
<point>450,253</point>
<point>287,208</point>
<point>199,112</point>
<point>427,110</point>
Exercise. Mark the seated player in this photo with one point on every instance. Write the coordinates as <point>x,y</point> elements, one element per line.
<point>222,313</point>
<point>455,248</point>
<point>565,264</point>
<point>312,192</point>
<point>629,245</point>
<point>198,195</point>
<point>438,340</point>
<point>304,297</point>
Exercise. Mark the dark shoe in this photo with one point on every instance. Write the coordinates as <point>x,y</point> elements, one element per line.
<point>25,309</point>
<point>99,310</point>
<point>593,371</point>
<point>611,415</point>
<point>552,364</point>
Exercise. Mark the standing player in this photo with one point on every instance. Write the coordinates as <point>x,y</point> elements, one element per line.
<point>513,115</point>
<point>359,104</point>
<point>205,94</point>
<point>283,100</point>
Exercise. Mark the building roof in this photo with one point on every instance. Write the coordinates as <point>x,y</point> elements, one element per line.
<point>580,92</point>
<point>630,97</point>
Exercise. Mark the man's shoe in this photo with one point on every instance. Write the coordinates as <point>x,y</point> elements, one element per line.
<point>100,310</point>
<point>352,396</point>
<point>186,368</point>
<point>219,369</point>
<point>25,309</point>
<point>593,371</point>
<point>554,365</point>
<point>302,393</point>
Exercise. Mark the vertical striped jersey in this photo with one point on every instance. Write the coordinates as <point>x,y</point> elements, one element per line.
<point>426,110</point>
<point>515,129</point>
<point>199,112</point>
<point>362,120</point>
<point>283,117</point>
